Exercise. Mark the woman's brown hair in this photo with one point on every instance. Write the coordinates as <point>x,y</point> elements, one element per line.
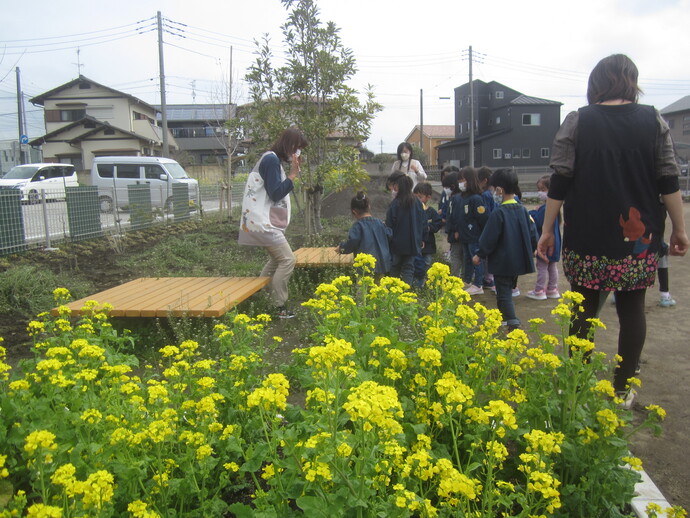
<point>614,77</point>
<point>289,141</point>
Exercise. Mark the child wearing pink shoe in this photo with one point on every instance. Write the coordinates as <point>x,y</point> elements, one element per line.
<point>546,286</point>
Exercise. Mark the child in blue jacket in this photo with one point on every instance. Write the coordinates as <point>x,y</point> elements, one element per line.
<point>466,220</point>
<point>508,241</point>
<point>406,218</point>
<point>368,235</point>
<point>424,192</point>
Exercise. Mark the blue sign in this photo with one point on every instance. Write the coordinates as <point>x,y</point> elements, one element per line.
<point>24,139</point>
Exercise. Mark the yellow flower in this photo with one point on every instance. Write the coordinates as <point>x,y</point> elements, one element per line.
<point>39,439</point>
<point>139,510</point>
<point>232,466</point>
<point>634,462</point>
<point>659,412</point>
<point>269,472</point>
<point>375,405</point>
<point>271,395</point>
<point>44,511</point>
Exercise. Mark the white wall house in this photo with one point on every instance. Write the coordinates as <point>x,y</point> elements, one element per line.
<point>85,119</point>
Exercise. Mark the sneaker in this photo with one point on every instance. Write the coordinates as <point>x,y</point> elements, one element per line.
<point>474,290</point>
<point>553,294</point>
<point>667,302</point>
<point>638,368</point>
<point>536,295</point>
<point>627,397</point>
<point>516,292</point>
<point>284,313</point>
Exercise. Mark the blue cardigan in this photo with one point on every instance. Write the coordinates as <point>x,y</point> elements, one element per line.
<point>408,225</point>
<point>509,240</point>
<point>370,235</point>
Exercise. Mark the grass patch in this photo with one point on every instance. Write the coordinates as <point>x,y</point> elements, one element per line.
<point>27,290</point>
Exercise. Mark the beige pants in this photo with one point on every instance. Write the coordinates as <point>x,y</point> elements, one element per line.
<point>281,263</point>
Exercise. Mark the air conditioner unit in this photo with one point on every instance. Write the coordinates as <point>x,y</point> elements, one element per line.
<point>507,156</point>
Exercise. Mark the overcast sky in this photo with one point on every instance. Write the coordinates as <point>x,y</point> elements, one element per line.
<point>540,48</point>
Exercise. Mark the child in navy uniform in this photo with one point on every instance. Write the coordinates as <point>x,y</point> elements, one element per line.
<point>508,241</point>
<point>406,218</point>
<point>466,220</point>
<point>368,235</point>
<point>424,192</point>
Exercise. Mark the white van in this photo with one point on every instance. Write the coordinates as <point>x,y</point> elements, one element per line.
<point>31,179</point>
<point>112,175</point>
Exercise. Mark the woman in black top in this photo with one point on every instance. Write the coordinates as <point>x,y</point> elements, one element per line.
<point>612,160</point>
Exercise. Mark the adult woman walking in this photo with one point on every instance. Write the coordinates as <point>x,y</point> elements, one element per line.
<point>612,160</point>
<point>266,212</point>
<point>408,165</point>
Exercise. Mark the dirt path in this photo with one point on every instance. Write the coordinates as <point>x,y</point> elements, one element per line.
<point>665,360</point>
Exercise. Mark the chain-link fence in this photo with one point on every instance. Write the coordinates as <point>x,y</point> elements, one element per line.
<point>86,212</point>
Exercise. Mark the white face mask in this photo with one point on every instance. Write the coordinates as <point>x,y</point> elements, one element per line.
<point>405,156</point>
<point>462,186</point>
<point>498,198</point>
<point>298,152</point>
<point>542,195</point>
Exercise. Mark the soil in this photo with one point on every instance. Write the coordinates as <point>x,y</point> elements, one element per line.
<point>665,367</point>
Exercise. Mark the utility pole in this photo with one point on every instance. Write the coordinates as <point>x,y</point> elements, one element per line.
<point>230,136</point>
<point>161,67</point>
<point>21,126</point>
<point>421,120</point>
<point>471,114</point>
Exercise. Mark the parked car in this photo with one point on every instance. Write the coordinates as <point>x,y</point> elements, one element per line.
<point>113,174</point>
<point>31,179</point>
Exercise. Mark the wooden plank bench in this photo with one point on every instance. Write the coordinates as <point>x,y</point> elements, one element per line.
<point>175,296</point>
<point>321,256</point>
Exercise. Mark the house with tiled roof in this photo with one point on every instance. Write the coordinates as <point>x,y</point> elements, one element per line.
<point>85,119</point>
<point>677,115</point>
<point>432,136</point>
<point>510,129</point>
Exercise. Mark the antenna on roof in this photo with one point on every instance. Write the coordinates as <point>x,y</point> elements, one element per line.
<point>193,85</point>
<point>78,63</point>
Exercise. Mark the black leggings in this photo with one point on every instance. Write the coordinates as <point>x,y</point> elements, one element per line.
<point>633,327</point>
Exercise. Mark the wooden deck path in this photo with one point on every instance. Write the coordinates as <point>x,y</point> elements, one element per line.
<point>325,256</point>
<point>175,296</point>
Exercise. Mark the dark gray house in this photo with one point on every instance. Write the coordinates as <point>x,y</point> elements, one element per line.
<point>510,129</point>
<point>199,130</point>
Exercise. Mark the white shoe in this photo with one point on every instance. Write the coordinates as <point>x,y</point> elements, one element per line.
<point>536,295</point>
<point>628,398</point>
<point>475,290</point>
<point>516,292</point>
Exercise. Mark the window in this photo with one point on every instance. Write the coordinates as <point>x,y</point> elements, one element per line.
<point>127,171</point>
<point>670,123</point>
<point>526,153</point>
<point>497,153</point>
<point>531,119</point>
<point>460,102</point>
<point>490,122</point>
<point>105,170</point>
<point>516,152</point>
<point>499,94</point>
<point>460,129</point>
<point>498,119</point>
<point>476,124</point>
<point>545,152</point>
<point>153,172</point>
<point>467,125</point>
<point>72,115</point>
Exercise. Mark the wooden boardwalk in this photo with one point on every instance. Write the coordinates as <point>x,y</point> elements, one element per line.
<point>324,256</point>
<point>175,296</point>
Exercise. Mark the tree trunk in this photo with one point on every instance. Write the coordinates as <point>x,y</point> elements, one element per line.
<point>313,210</point>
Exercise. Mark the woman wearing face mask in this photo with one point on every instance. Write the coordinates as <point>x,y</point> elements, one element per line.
<point>408,165</point>
<point>266,212</point>
<point>546,286</point>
